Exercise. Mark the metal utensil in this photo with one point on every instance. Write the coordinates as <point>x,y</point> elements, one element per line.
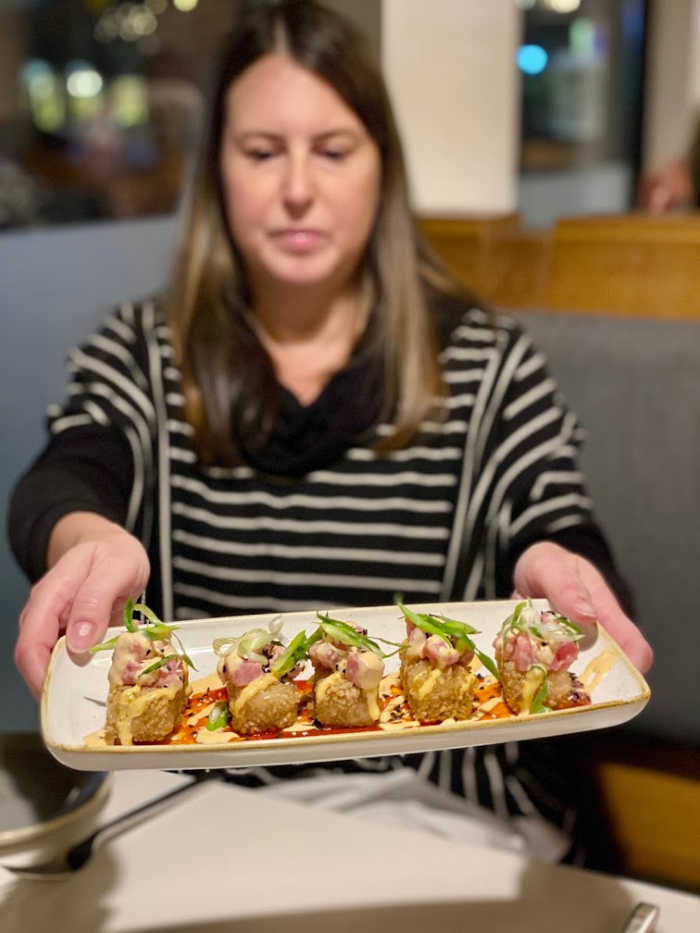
<point>62,866</point>
<point>642,919</point>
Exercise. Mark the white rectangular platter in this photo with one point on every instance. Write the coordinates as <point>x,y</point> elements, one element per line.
<point>74,698</point>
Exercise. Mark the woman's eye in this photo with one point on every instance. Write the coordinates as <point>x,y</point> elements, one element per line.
<point>259,155</point>
<point>335,155</point>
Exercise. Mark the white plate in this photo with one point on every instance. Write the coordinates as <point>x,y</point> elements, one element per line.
<point>73,701</point>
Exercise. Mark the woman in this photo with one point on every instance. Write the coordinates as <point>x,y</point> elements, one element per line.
<point>313,415</point>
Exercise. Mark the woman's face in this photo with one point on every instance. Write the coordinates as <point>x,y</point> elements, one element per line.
<point>301,176</point>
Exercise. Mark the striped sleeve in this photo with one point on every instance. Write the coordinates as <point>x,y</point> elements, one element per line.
<point>521,481</point>
<point>109,388</point>
<point>99,454</point>
<point>537,488</point>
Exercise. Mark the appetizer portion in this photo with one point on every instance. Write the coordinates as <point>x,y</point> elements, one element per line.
<point>534,651</point>
<point>435,674</point>
<point>148,681</point>
<point>259,687</point>
<point>258,672</point>
<point>348,668</point>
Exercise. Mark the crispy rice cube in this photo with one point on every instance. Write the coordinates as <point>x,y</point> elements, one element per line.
<point>338,702</point>
<point>264,705</point>
<point>519,690</point>
<point>143,714</point>
<point>434,694</point>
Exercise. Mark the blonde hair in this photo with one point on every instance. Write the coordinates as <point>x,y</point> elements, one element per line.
<point>230,390</point>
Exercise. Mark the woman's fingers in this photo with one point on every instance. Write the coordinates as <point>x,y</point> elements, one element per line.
<point>43,618</point>
<point>615,621</point>
<point>548,570</point>
<point>578,590</point>
<point>114,576</point>
<point>83,593</point>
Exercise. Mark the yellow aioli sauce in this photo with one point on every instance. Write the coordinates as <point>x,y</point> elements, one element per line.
<point>372,704</point>
<point>597,669</point>
<point>324,685</point>
<point>429,682</point>
<point>488,705</point>
<point>218,737</point>
<point>95,739</point>
<point>370,695</point>
<point>249,691</point>
<point>532,683</point>
<point>392,710</point>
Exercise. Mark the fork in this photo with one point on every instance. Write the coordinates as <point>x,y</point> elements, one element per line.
<point>642,919</point>
<point>62,866</point>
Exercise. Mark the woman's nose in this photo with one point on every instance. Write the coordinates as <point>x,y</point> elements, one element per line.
<point>298,187</point>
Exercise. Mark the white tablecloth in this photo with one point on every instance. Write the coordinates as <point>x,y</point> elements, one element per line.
<point>230,859</point>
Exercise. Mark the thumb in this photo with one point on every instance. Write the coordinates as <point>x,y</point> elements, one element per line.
<point>89,617</point>
<point>548,570</point>
<point>119,569</point>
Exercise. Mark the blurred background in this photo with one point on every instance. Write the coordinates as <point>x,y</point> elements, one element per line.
<point>553,152</point>
<point>100,100</point>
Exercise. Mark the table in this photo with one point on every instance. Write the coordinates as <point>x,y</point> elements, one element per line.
<point>223,859</point>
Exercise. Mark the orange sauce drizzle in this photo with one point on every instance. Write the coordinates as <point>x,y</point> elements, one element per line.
<point>485,693</point>
<point>499,711</point>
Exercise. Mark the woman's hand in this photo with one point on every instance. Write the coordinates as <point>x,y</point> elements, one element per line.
<point>95,567</point>
<point>575,588</point>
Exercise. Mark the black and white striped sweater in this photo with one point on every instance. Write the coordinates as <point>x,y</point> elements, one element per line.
<point>443,518</point>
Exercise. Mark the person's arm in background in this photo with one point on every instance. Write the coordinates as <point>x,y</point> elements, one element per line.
<point>675,184</point>
<point>666,189</point>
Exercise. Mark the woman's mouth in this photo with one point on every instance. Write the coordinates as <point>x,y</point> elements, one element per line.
<point>299,239</point>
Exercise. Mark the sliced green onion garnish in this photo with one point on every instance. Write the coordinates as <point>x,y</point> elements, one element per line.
<point>158,631</point>
<point>567,623</point>
<point>396,645</point>
<point>437,625</point>
<point>103,646</point>
<point>538,704</point>
<point>455,627</point>
<point>488,663</point>
<point>129,616</point>
<point>183,653</point>
<point>450,629</point>
<point>275,627</point>
<point>158,664</point>
<point>513,622</point>
<point>296,651</point>
<point>148,613</point>
<point>251,642</point>
<point>347,634</point>
<point>424,622</point>
<point>218,716</point>
<point>222,646</point>
<point>517,611</point>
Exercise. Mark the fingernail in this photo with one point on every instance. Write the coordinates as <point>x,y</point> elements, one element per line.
<point>81,636</point>
<point>585,608</point>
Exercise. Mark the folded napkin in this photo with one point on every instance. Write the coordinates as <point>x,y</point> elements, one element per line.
<point>402,797</point>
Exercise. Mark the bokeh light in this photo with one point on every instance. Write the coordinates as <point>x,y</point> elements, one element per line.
<point>532,59</point>
<point>563,6</point>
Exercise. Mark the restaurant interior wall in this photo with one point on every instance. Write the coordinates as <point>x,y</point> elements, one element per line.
<point>672,99</point>
<point>450,67</point>
<point>57,284</point>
